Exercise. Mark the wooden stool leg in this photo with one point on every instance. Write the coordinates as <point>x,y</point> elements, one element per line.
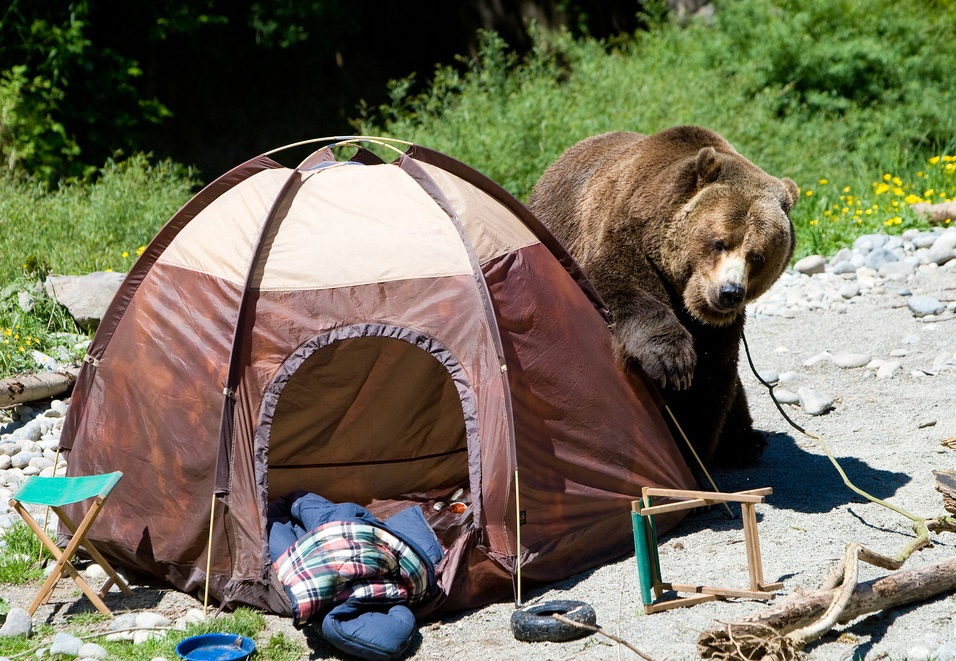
<point>114,578</point>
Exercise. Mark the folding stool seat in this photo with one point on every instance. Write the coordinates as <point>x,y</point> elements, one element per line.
<point>55,492</point>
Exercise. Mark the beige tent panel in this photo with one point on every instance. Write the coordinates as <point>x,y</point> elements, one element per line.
<point>489,225</point>
<point>219,240</point>
<point>336,234</point>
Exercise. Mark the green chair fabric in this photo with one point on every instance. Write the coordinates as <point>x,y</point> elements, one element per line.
<point>59,491</point>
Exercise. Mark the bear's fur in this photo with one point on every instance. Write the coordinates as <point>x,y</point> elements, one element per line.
<point>677,232</point>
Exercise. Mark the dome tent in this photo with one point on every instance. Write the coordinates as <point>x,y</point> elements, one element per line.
<point>385,333</point>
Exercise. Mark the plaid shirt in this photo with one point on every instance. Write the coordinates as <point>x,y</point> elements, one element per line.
<point>344,560</point>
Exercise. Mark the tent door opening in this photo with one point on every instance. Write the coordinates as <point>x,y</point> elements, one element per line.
<point>373,420</point>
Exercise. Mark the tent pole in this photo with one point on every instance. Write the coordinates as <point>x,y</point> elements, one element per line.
<point>518,534</point>
<point>212,517</point>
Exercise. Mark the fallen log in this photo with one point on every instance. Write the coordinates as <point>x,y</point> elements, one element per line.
<point>936,213</point>
<point>761,634</point>
<point>25,388</point>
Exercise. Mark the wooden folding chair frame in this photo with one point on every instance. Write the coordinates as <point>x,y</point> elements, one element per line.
<point>63,557</point>
<point>648,560</point>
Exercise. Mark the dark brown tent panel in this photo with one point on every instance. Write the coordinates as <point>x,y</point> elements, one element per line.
<point>378,333</point>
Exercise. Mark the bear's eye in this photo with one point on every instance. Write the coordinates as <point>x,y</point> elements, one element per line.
<point>757,258</point>
<point>719,246</point>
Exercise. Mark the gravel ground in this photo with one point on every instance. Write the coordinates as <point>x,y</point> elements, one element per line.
<point>886,433</point>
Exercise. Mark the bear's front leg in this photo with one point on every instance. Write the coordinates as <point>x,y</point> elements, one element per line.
<point>739,443</point>
<point>654,337</point>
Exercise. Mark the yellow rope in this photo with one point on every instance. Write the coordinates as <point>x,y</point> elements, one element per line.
<point>212,518</point>
<point>694,452</point>
<point>518,534</point>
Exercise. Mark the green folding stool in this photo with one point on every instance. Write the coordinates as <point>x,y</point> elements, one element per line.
<point>55,492</point>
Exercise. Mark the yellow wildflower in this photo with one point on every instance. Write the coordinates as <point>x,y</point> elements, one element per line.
<point>108,270</point>
<point>809,193</point>
<point>897,181</point>
<point>814,222</point>
<point>882,188</point>
<point>929,192</point>
<point>887,177</point>
<point>125,254</point>
<point>898,192</point>
<point>824,182</point>
<point>827,213</point>
<point>846,189</point>
<point>912,199</point>
<point>934,160</point>
<point>140,250</point>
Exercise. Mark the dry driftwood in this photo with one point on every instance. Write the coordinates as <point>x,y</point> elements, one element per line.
<point>34,387</point>
<point>935,213</point>
<point>760,634</point>
<point>946,485</point>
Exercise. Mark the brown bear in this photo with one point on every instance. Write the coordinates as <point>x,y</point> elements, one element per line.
<point>677,232</point>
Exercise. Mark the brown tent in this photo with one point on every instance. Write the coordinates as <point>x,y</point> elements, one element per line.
<point>379,333</point>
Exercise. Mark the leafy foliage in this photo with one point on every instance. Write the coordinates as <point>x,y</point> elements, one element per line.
<point>806,89</point>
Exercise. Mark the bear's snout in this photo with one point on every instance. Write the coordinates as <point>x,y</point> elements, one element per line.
<point>730,295</point>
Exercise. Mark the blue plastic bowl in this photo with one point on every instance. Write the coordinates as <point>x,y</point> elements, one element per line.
<point>216,647</point>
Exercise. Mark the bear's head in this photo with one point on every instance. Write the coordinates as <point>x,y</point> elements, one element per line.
<point>732,238</point>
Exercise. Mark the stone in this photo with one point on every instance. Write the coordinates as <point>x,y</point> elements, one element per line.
<point>922,306</point>
<point>85,297</point>
<point>149,620</point>
<point>813,402</point>
<point>93,651</point>
<point>851,360</point>
<point>66,644</point>
<point>769,376</point>
<point>818,358</point>
<point>786,396</point>
<point>19,623</point>
<point>888,369</point>
<point>850,290</point>
<point>879,257</point>
<point>811,264</point>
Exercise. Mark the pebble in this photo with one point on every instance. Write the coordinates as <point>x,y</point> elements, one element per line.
<point>66,644</point>
<point>922,306</point>
<point>18,623</point>
<point>851,360</point>
<point>813,402</point>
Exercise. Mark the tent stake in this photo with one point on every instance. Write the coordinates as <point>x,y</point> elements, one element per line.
<point>212,517</point>
<point>518,534</point>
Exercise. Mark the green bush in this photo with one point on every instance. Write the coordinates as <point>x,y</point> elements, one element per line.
<point>75,230</point>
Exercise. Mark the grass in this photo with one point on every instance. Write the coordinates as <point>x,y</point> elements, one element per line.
<point>22,555</point>
<point>19,564</point>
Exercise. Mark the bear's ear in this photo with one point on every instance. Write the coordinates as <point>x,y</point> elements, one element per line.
<point>708,165</point>
<point>793,193</point>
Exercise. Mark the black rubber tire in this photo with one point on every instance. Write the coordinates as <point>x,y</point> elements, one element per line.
<point>535,624</point>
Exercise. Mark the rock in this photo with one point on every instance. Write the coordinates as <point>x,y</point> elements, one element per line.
<point>818,358</point>
<point>142,635</point>
<point>879,257</point>
<point>850,290</point>
<point>25,301</point>
<point>19,623</point>
<point>124,621</point>
<point>810,265</point>
<point>922,306</point>
<point>786,396</point>
<point>93,651</point>
<point>888,369</point>
<point>939,256</point>
<point>149,620</point>
<point>813,402</point>
<point>86,297</point>
<point>769,376</point>
<point>66,644</point>
<point>869,242</point>
<point>851,360</point>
